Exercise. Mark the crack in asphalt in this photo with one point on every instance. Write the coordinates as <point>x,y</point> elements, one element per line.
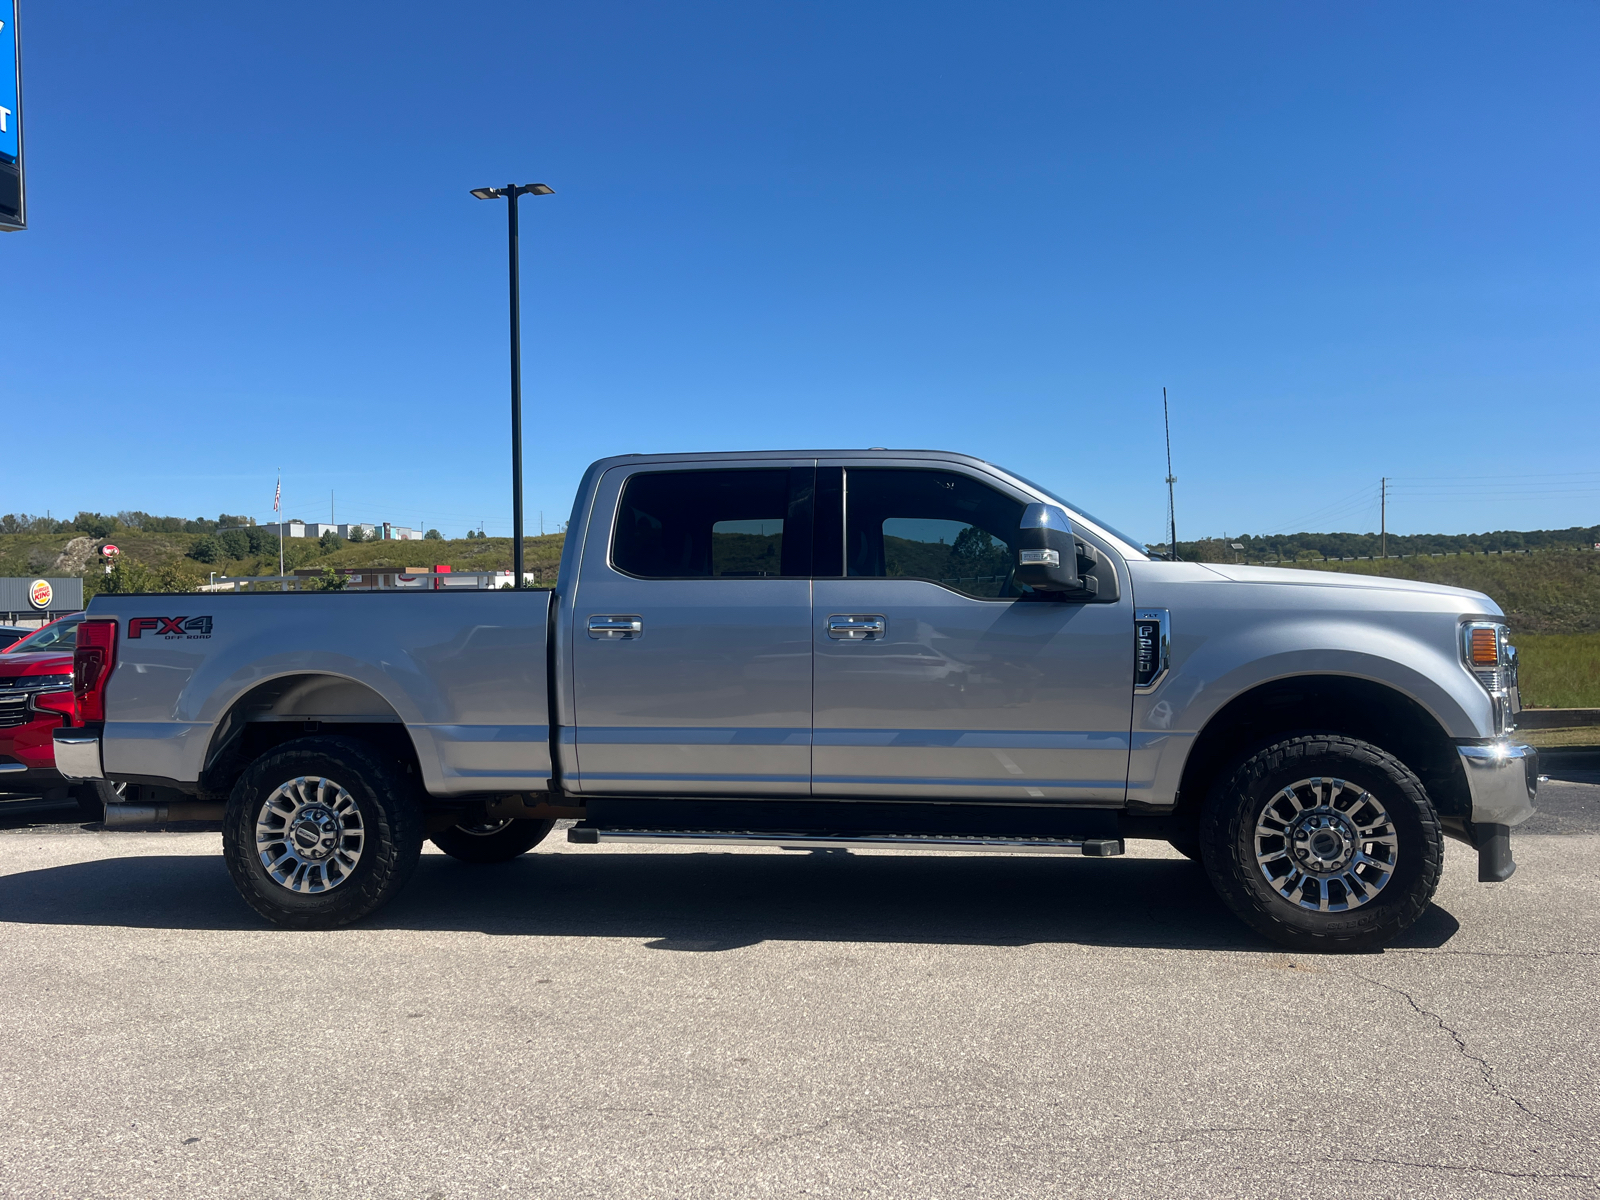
<point>1483,1065</point>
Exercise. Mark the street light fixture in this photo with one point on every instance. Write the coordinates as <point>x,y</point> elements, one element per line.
<point>510,193</point>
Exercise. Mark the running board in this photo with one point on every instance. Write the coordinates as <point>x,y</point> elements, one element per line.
<point>585,834</point>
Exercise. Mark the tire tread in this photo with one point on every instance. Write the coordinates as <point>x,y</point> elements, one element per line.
<point>1231,801</point>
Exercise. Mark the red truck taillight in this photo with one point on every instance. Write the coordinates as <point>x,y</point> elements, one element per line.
<point>91,668</point>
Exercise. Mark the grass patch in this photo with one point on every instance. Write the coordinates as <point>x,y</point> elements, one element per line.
<point>1559,670</point>
<point>1560,739</point>
<point>1552,591</point>
<point>541,556</point>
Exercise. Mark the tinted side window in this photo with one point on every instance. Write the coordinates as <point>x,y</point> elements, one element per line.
<point>710,525</point>
<point>935,525</point>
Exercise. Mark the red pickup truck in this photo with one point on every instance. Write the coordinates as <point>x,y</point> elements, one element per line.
<point>36,699</point>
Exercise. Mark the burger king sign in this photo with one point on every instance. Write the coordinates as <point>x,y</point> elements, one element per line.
<point>40,593</point>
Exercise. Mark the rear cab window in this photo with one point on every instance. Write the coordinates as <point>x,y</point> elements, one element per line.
<point>736,524</point>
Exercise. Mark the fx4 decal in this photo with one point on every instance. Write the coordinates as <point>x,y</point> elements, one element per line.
<point>170,627</point>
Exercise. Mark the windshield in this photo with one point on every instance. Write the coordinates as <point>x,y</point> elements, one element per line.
<point>1132,543</point>
<point>61,636</point>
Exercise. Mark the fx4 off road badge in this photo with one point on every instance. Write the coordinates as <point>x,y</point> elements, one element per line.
<point>169,627</point>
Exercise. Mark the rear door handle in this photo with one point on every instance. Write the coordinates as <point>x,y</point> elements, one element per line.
<point>615,628</point>
<point>855,627</point>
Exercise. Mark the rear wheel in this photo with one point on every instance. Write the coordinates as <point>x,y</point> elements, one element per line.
<point>492,841</point>
<point>321,831</point>
<point>1323,843</point>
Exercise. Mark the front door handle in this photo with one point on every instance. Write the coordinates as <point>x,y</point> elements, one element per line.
<point>615,628</point>
<point>854,627</point>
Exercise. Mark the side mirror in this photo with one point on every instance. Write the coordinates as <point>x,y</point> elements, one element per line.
<point>1050,557</point>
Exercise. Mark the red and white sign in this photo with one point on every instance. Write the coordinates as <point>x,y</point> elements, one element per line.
<point>109,550</point>
<point>40,593</point>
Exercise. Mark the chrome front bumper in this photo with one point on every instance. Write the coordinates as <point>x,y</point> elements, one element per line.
<point>1503,779</point>
<point>78,754</point>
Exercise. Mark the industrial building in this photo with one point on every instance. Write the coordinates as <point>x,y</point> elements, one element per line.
<point>384,532</point>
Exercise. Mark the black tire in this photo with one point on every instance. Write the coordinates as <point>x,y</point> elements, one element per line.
<point>1397,890</point>
<point>1186,840</point>
<point>368,805</point>
<point>492,841</point>
<point>92,798</point>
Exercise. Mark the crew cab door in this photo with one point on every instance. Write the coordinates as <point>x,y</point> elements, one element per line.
<point>934,677</point>
<point>690,633</point>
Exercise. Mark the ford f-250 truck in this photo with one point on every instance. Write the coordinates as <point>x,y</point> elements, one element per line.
<point>840,648</point>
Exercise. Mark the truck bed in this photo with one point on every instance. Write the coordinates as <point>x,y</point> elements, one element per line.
<point>466,674</point>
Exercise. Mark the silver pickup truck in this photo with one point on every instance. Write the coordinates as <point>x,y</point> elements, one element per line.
<point>825,649</point>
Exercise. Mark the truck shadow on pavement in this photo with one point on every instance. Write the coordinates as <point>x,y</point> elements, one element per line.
<point>709,902</point>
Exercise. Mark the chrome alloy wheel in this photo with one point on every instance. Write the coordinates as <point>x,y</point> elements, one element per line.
<point>309,834</point>
<point>1326,845</point>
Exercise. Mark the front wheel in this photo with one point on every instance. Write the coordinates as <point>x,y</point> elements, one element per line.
<point>492,841</point>
<point>1323,843</point>
<point>321,831</point>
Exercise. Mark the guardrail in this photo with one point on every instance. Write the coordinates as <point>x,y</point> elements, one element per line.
<point>1333,558</point>
<point>1557,718</point>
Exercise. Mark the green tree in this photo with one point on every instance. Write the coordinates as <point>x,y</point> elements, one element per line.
<point>330,542</point>
<point>235,544</point>
<point>329,581</point>
<point>261,542</point>
<point>96,525</point>
<point>433,535</point>
<point>206,549</point>
<point>127,576</point>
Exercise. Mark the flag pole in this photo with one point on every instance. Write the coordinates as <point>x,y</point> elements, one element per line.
<point>277,507</point>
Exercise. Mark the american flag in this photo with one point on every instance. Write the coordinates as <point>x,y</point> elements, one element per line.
<point>277,495</point>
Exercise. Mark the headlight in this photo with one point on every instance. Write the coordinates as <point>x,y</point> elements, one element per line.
<point>1487,652</point>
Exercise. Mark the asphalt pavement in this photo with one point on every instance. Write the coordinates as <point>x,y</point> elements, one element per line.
<point>641,1022</point>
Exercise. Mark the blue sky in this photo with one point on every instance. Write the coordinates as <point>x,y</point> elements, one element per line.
<point>1351,240</point>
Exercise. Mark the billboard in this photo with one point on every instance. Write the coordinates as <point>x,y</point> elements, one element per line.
<point>13,210</point>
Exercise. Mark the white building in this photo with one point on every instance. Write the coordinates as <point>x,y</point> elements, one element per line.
<point>314,529</point>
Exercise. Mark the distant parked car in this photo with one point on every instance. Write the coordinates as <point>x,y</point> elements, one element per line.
<point>35,699</point>
<point>58,637</point>
<point>12,633</point>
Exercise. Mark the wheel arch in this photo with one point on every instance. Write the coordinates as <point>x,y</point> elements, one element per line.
<point>1355,707</point>
<point>295,704</point>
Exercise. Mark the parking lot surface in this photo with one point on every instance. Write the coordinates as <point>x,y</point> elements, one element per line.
<point>632,1022</point>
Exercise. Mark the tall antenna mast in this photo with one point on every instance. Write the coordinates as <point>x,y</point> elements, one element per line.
<point>1172,508</point>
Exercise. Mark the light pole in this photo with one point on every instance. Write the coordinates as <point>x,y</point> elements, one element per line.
<point>510,193</point>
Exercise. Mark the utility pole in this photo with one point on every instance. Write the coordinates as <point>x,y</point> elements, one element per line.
<point>1383,517</point>
<point>1172,507</point>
